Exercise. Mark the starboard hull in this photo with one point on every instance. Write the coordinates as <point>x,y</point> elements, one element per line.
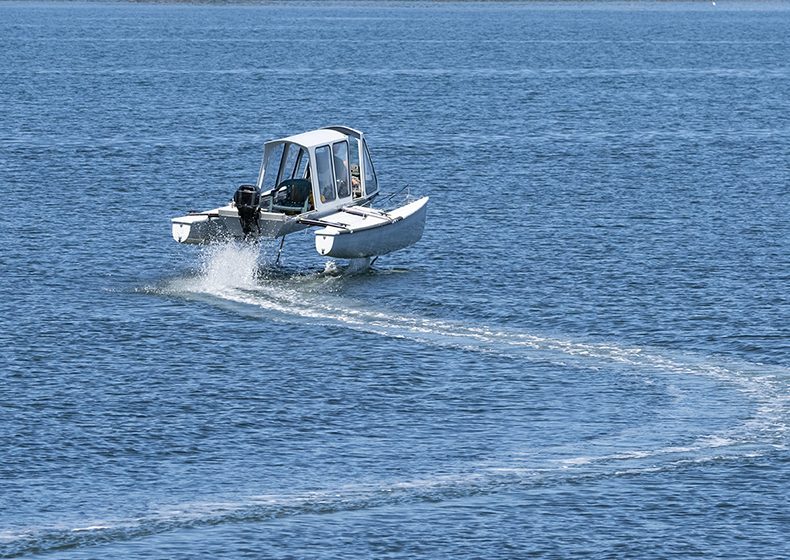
<point>403,228</point>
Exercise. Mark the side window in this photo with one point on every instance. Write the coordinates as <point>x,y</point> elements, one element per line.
<point>353,159</point>
<point>342,179</point>
<point>371,185</point>
<point>271,167</point>
<point>326,183</point>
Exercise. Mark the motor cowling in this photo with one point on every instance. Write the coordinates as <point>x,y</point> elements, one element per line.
<point>247,201</point>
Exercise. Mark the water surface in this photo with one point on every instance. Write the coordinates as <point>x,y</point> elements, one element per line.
<point>586,356</point>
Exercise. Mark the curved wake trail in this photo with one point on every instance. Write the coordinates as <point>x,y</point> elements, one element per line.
<point>233,273</point>
<point>484,481</point>
<point>304,299</point>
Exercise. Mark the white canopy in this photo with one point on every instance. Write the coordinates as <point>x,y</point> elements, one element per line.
<point>313,138</point>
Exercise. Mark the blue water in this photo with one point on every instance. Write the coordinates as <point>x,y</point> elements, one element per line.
<point>586,356</point>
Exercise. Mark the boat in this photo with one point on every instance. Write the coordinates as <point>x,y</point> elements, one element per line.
<point>322,179</point>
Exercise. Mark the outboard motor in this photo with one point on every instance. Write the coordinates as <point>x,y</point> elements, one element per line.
<point>247,202</point>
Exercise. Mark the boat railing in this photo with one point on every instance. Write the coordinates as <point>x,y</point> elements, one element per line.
<point>404,192</point>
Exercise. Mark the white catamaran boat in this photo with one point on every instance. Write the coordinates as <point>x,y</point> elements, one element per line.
<point>324,179</point>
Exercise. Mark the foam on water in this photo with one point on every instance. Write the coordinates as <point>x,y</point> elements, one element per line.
<point>228,266</point>
<point>485,480</point>
<point>234,273</point>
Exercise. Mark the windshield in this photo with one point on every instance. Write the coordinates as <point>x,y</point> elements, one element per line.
<point>283,162</point>
<point>271,166</point>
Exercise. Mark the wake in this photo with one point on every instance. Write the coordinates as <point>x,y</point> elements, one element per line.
<point>483,481</point>
<point>238,274</point>
<point>235,275</point>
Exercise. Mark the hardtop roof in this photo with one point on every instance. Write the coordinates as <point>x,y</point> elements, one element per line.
<point>313,138</point>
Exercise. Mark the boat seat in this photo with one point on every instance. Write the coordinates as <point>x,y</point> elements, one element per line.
<point>296,197</point>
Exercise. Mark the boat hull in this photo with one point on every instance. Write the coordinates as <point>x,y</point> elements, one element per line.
<point>223,224</point>
<point>402,228</point>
